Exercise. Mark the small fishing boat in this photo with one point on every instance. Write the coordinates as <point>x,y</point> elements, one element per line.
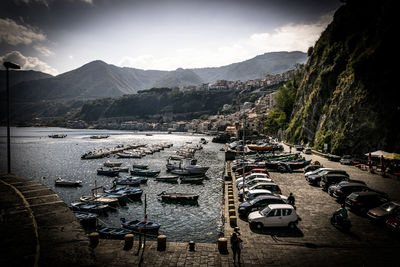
<point>99,198</point>
<point>171,178</point>
<point>113,233</point>
<point>178,196</point>
<point>129,155</point>
<point>99,136</point>
<point>140,166</point>
<point>112,164</point>
<point>195,169</point>
<point>147,173</point>
<point>130,192</point>
<point>180,172</point>
<point>87,219</point>
<point>131,181</point>
<point>190,179</point>
<point>90,207</point>
<point>141,226</point>
<point>107,171</point>
<point>120,169</point>
<point>57,135</point>
<point>67,183</point>
<point>263,147</point>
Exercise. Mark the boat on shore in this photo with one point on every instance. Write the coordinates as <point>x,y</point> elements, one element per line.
<point>192,179</point>
<point>140,166</point>
<point>263,147</point>
<point>168,178</point>
<point>140,226</point>
<point>67,183</point>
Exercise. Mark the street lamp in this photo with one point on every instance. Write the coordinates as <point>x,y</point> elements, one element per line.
<point>9,65</point>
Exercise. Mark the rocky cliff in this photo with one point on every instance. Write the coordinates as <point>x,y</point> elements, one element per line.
<point>348,97</point>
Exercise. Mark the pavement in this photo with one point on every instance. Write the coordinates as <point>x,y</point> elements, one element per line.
<point>38,229</point>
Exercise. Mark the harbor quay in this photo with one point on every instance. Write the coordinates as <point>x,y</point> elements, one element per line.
<point>38,229</point>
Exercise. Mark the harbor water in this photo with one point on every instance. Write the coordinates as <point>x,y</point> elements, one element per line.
<point>36,156</point>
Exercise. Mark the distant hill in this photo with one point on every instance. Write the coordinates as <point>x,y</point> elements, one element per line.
<point>98,79</point>
<point>255,68</point>
<point>21,76</point>
<point>179,77</point>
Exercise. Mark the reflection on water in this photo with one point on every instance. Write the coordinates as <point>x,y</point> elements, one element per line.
<point>34,155</point>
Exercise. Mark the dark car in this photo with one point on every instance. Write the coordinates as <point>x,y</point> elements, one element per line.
<point>274,188</point>
<point>393,224</point>
<point>315,179</point>
<point>332,188</point>
<point>384,211</point>
<point>258,203</point>
<point>342,191</point>
<point>361,202</point>
<point>346,160</point>
<point>330,179</point>
<point>311,168</point>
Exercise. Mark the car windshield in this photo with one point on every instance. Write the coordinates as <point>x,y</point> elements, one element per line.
<point>388,206</point>
<point>265,211</point>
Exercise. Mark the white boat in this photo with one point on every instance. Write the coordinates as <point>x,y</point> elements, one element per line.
<point>112,164</point>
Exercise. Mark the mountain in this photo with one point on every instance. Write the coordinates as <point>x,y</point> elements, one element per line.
<point>21,76</point>
<point>349,96</point>
<point>255,68</point>
<point>179,77</point>
<point>98,79</point>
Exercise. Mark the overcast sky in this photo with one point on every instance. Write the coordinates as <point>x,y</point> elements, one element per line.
<point>55,36</point>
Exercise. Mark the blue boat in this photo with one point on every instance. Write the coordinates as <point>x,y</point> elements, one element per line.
<point>127,191</point>
<point>107,171</point>
<point>141,226</point>
<point>90,207</point>
<point>147,173</point>
<point>140,166</point>
<point>131,181</point>
<point>87,219</point>
<point>113,233</point>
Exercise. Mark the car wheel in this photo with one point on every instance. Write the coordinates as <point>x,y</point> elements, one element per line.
<point>259,226</point>
<point>292,225</point>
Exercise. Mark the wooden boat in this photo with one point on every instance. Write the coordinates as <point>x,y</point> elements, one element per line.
<point>113,233</point>
<point>107,171</point>
<point>147,173</point>
<point>264,147</point>
<point>131,181</point>
<point>141,226</point>
<point>190,179</point>
<point>140,166</point>
<point>90,207</point>
<point>87,219</point>
<point>120,169</point>
<point>178,196</point>
<point>62,182</point>
<point>171,179</point>
<point>130,192</point>
<point>180,172</point>
<point>112,164</point>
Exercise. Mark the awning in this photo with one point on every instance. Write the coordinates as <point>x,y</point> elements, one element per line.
<point>377,153</point>
<point>393,156</point>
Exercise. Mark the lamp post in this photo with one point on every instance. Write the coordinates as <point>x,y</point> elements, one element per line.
<point>9,65</point>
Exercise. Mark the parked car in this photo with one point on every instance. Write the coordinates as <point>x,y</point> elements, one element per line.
<point>384,211</point>
<point>307,151</point>
<point>315,179</point>
<point>299,147</point>
<point>259,203</point>
<point>346,160</point>
<point>251,177</point>
<point>274,215</point>
<point>342,191</point>
<point>315,172</point>
<point>330,179</point>
<point>252,194</point>
<point>361,202</point>
<point>311,168</point>
<point>393,224</point>
<point>258,170</point>
<point>253,182</point>
<point>332,188</point>
<point>274,188</point>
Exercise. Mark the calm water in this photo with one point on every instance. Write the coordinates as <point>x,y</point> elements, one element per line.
<point>34,155</point>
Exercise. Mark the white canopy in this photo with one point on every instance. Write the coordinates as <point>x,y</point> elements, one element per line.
<point>377,153</point>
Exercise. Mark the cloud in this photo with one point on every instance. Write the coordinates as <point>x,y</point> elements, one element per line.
<point>28,63</point>
<point>289,37</point>
<point>47,2</point>
<point>14,34</point>
<point>43,50</point>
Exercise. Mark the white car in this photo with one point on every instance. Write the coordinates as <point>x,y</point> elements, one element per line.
<point>253,182</point>
<point>317,171</point>
<point>260,185</point>
<point>274,215</point>
<point>251,177</point>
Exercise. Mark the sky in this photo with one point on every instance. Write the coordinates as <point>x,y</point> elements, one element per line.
<point>56,36</point>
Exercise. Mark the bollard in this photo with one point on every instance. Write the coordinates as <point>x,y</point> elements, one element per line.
<point>161,242</point>
<point>233,221</point>
<point>223,245</point>
<point>128,241</point>
<point>191,245</point>
<point>232,212</point>
<point>94,239</point>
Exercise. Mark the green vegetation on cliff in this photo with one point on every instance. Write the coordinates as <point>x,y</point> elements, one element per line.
<point>348,97</point>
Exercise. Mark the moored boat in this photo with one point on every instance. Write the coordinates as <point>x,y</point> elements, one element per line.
<point>87,219</point>
<point>112,164</point>
<point>178,196</point>
<point>190,179</point>
<point>90,207</point>
<point>131,181</point>
<point>140,166</point>
<point>147,173</point>
<point>168,178</point>
<point>142,226</point>
<point>107,171</point>
<point>130,192</point>
<point>113,233</point>
<point>62,182</point>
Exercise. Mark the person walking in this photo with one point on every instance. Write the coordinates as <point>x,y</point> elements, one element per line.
<point>291,199</point>
<point>236,245</point>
